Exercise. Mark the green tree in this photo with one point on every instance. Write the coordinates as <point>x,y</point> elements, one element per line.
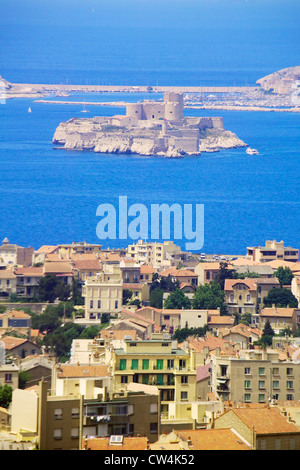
<point>280,297</point>
<point>165,283</point>
<point>209,296</point>
<point>76,293</point>
<point>5,395</point>
<point>267,336</point>
<point>284,276</point>
<point>156,298</point>
<point>182,333</point>
<point>245,319</point>
<point>177,300</point>
<point>46,322</point>
<point>51,287</point>
<point>127,294</point>
<point>225,273</point>
<point>61,338</point>
<point>24,377</point>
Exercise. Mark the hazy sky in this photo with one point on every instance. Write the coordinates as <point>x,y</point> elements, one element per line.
<point>186,13</point>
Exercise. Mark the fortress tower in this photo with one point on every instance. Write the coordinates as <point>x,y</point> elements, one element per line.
<point>173,106</point>
<point>171,109</point>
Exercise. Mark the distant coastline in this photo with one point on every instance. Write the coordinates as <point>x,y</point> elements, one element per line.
<point>277,92</point>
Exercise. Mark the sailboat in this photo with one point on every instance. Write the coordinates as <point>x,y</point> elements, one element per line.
<point>29,109</point>
<point>84,110</point>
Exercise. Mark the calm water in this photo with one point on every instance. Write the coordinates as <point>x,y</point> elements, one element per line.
<point>50,196</point>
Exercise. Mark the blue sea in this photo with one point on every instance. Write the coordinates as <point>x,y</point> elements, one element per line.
<point>50,196</point>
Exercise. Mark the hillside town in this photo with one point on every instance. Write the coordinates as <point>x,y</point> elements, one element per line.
<point>149,348</point>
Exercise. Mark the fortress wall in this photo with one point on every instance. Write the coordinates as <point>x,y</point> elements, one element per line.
<point>134,110</point>
<point>187,144</point>
<point>217,122</point>
<point>152,110</point>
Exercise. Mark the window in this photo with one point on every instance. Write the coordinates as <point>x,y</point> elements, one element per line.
<point>99,303</point>
<point>122,364</point>
<point>182,364</point>
<point>184,379</point>
<point>160,379</point>
<point>289,371</point>
<point>58,413</point>
<point>145,364</point>
<point>289,384</point>
<point>277,444</point>
<point>159,364</point>
<point>74,433</point>
<point>170,364</point>
<point>134,364</point>
<point>153,408</point>
<point>57,434</point>
<point>248,298</point>
<point>261,398</point>
<point>8,378</point>
<point>91,304</point>
<point>261,384</point>
<point>247,371</point>
<point>231,297</point>
<point>145,379</point>
<point>261,371</point>
<point>290,397</point>
<point>275,384</point>
<point>184,396</point>
<point>75,413</point>
<point>276,371</point>
<point>247,384</point>
<point>124,379</point>
<point>153,427</point>
<point>247,397</point>
<point>116,303</point>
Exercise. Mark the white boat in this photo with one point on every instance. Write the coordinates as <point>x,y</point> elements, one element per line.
<point>29,110</point>
<point>84,110</point>
<point>251,151</point>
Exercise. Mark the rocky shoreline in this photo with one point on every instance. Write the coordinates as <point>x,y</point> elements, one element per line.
<point>87,134</point>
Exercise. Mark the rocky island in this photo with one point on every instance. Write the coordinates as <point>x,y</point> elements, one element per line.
<point>148,128</point>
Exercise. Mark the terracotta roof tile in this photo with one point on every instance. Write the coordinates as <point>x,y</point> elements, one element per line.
<point>82,371</point>
<point>103,443</point>
<point>265,420</point>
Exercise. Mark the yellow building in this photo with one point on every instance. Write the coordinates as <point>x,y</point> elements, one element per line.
<point>159,362</point>
<point>272,250</point>
<point>103,293</point>
<point>66,250</point>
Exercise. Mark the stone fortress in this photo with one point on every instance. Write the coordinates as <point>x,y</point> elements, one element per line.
<point>148,128</point>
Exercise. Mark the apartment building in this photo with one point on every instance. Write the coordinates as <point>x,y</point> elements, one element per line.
<point>159,362</point>
<point>272,250</point>
<point>75,248</point>
<point>279,318</point>
<point>254,376</point>
<point>127,413</point>
<point>246,295</point>
<point>153,253</point>
<point>103,293</point>
<point>28,279</point>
